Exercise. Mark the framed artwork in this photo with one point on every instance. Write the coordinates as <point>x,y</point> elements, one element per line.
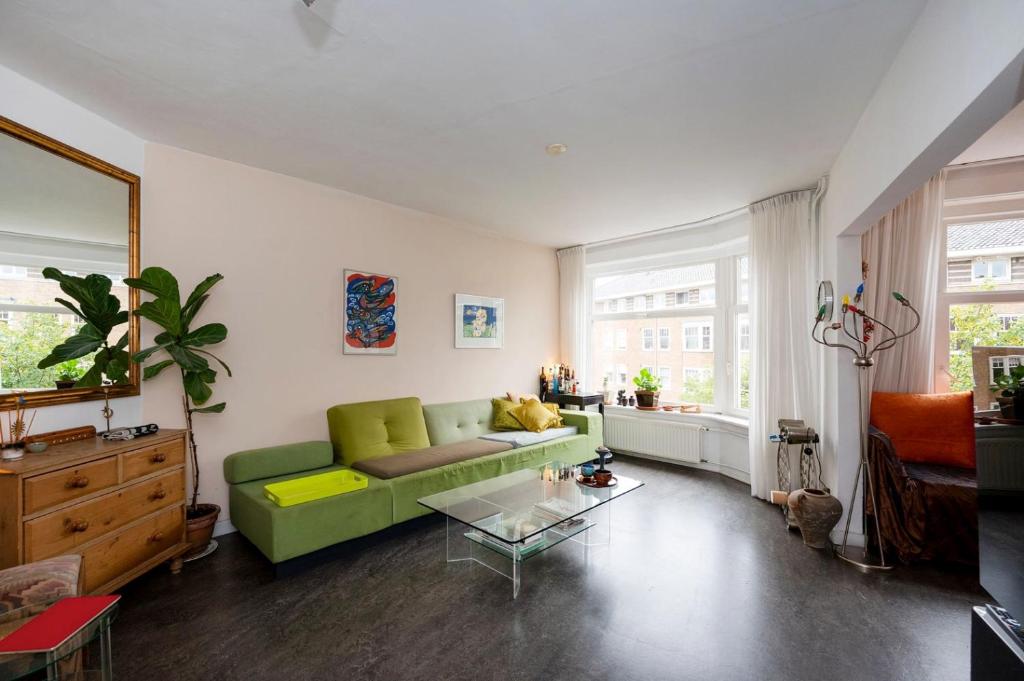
<point>371,327</point>
<point>479,321</point>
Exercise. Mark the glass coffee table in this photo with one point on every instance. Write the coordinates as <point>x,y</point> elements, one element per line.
<point>504,521</point>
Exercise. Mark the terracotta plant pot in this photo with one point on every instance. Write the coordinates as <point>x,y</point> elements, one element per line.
<point>199,528</point>
<point>816,513</point>
<point>646,398</point>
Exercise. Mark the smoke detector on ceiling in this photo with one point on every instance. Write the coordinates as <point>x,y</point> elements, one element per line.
<point>553,149</point>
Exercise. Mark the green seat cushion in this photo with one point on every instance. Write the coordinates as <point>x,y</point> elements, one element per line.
<point>457,421</point>
<point>255,464</point>
<point>408,489</point>
<point>283,533</point>
<point>366,430</point>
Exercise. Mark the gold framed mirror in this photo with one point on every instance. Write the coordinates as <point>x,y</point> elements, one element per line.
<point>59,207</point>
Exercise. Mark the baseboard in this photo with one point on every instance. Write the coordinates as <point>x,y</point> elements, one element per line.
<point>223,527</point>
<point>727,471</point>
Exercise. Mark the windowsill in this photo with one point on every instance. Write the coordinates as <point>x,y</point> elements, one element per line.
<point>735,424</point>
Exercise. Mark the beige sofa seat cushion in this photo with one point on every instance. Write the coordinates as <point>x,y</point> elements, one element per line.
<point>396,465</point>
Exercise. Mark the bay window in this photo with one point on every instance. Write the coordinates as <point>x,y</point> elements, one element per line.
<point>703,300</point>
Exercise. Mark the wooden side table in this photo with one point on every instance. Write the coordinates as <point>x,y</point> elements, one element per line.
<point>581,400</point>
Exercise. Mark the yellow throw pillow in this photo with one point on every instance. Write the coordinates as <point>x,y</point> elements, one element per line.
<point>501,419</point>
<point>553,408</point>
<point>534,416</point>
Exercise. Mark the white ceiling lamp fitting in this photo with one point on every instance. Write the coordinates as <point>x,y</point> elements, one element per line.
<point>556,149</point>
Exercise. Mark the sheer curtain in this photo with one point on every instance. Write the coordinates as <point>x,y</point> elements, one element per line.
<point>572,299</point>
<point>784,359</point>
<point>902,252</point>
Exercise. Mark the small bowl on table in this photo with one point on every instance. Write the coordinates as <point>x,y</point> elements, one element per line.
<point>602,477</point>
<point>36,447</point>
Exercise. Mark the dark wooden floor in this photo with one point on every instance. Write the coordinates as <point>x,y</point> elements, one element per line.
<point>700,582</point>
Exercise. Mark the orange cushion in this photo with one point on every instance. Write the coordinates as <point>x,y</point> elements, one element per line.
<point>936,429</point>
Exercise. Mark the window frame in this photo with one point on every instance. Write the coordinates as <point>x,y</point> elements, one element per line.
<point>644,333</point>
<point>947,298</point>
<point>723,313</point>
<point>1006,260</point>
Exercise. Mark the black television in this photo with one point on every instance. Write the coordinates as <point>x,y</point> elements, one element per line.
<point>997,644</point>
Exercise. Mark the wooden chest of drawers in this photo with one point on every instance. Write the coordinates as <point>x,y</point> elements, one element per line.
<point>121,505</point>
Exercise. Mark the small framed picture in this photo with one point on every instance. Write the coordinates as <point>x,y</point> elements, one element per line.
<point>479,322</point>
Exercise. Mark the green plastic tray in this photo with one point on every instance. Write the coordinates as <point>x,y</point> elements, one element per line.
<point>313,487</point>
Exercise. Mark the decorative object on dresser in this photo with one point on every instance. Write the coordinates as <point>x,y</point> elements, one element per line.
<point>479,321</point>
<point>13,434</point>
<point>59,437</point>
<point>120,505</point>
<point>186,350</point>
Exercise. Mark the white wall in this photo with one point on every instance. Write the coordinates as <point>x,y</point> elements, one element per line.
<point>32,105</point>
<point>282,244</point>
<point>958,73</point>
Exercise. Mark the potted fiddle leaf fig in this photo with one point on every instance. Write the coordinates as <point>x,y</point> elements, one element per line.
<point>185,347</point>
<point>101,310</point>
<point>1011,393</point>
<point>647,388</point>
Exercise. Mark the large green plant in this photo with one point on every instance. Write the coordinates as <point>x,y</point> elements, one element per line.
<point>101,311</point>
<point>184,347</point>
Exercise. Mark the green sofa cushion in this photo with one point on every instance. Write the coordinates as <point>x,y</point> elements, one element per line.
<point>283,533</point>
<point>366,430</point>
<point>457,421</point>
<point>268,462</point>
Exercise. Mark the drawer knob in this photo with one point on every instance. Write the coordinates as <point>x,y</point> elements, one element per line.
<point>155,537</point>
<point>76,525</point>
<point>157,494</point>
<point>159,457</point>
<point>77,482</point>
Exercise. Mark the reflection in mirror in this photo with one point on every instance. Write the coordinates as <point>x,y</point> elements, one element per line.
<point>53,213</point>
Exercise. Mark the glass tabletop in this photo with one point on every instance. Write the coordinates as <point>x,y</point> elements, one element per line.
<point>29,665</point>
<point>517,506</point>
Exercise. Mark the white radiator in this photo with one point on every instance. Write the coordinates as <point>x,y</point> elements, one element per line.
<point>660,438</point>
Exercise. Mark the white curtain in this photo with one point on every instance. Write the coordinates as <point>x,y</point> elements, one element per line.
<point>572,285</point>
<point>784,359</point>
<point>902,252</point>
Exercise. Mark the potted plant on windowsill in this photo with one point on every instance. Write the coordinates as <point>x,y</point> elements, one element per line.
<point>185,349</point>
<point>647,389</point>
<point>68,374</point>
<point>1011,397</point>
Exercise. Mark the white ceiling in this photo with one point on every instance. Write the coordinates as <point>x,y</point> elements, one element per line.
<point>673,110</point>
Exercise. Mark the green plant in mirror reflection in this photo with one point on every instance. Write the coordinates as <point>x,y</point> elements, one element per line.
<point>101,312</point>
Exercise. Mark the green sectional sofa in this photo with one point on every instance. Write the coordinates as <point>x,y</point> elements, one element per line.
<point>362,434</point>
